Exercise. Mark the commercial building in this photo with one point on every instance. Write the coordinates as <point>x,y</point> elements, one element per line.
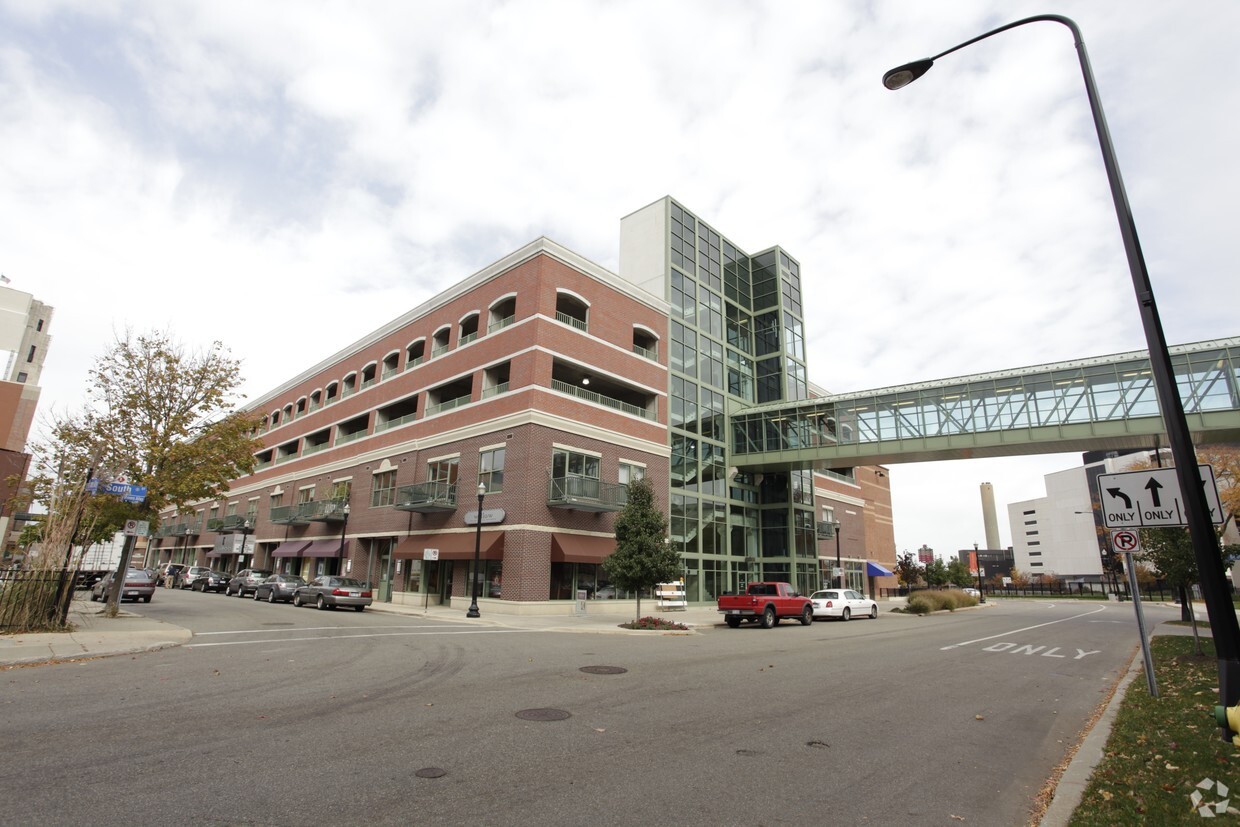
<point>506,416</point>
<point>24,336</point>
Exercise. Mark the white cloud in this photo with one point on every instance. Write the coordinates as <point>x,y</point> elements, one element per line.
<point>256,171</point>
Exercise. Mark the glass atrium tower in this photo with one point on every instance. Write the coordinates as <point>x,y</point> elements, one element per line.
<point>736,339</point>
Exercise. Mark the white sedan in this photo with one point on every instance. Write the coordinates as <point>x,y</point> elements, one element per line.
<point>842,603</point>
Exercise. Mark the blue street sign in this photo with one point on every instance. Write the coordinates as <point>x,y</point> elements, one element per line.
<point>128,493</point>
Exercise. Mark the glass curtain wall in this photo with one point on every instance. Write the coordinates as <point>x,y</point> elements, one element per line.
<point>736,339</point>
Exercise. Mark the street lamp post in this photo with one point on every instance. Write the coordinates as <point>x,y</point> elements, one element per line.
<point>344,526</point>
<point>473,605</point>
<point>977,561</point>
<point>839,567</point>
<point>1205,543</point>
<point>247,525</point>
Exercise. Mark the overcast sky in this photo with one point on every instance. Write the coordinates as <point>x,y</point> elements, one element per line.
<point>288,176</point>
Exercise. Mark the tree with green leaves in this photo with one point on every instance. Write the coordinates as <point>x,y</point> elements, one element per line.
<point>936,573</point>
<point>163,417</point>
<point>643,556</point>
<point>1170,551</point>
<point>958,573</point>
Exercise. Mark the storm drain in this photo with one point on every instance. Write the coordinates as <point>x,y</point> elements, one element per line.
<point>604,670</point>
<point>543,715</point>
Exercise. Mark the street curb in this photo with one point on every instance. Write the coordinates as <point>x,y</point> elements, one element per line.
<point>1072,784</point>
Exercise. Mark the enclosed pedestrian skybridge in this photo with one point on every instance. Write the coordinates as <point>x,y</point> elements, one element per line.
<point>1102,403</point>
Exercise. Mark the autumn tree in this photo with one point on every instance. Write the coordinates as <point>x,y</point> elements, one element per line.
<point>908,572</point>
<point>643,556</point>
<point>165,418</point>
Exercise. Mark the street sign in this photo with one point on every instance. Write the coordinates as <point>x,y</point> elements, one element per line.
<point>430,554</point>
<point>128,493</point>
<point>1151,498</point>
<point>137,528</point>
<point>1126,540</point>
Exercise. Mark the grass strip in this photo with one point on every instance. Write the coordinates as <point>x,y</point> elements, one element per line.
<point>1163,750</point>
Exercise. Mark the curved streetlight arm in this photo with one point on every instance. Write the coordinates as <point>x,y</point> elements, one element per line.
<point>1197,510</point>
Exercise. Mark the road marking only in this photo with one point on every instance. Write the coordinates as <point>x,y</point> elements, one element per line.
<point>1018,631</point>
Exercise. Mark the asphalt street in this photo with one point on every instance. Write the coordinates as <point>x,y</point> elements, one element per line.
<point>275,715</point>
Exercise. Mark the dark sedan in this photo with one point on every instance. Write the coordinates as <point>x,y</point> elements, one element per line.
<point>212,581</point>
<point>278,588</point>
<point>332,591</point>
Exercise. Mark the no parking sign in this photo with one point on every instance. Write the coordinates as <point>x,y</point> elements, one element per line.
<point>1125,541</point>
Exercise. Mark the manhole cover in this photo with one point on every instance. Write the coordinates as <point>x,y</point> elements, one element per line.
<point>604,670</point>
<point>542,715</point>
<point>431,772</point>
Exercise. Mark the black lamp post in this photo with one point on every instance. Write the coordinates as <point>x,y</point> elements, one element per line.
<point>247,525</point>
<point>344,526</point>
<point>473,605</point>
<point>977,561</point>
<point>1205,544</point>
<point>839,567</point>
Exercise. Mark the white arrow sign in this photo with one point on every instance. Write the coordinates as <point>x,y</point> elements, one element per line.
<point>1151,498</point>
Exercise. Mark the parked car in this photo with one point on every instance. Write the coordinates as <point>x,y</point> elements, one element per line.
<point>767,602</point>
<point>138,585</point>
<point>187,575</point>
<point>212,581</point>
<point>842,603</point>
<point>171,570</point>
<point>278,588</point>
<point>246,580</point>
<point>971,592</point>
<point>332,591</point>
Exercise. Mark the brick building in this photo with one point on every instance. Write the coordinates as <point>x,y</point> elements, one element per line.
<point>550,382</point>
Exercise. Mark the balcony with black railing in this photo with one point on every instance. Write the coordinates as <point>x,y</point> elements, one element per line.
<point>324,511</point>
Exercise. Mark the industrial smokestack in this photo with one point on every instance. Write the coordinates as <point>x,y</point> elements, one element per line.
<point>989,518</point>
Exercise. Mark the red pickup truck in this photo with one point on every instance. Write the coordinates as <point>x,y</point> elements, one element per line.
<point>766,602</point>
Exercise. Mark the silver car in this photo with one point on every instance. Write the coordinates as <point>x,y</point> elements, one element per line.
<point>331,591</point>
<point>138,585</point>
<point>278,588</point>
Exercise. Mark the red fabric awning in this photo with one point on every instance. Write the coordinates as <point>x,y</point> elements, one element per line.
<point>580,548</point>
<point>290,549</point>
<point>458,545</point>
<point>322,548</point>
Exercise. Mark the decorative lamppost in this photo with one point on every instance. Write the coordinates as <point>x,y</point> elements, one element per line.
<point>344,526</point>
<point>247,525</point>
<point>473,605</point>
<point>1197,510</point>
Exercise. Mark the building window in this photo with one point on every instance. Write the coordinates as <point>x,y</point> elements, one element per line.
<point>1031,533</point>
<point>630,472</point>
<point>275,501</point>
<point>30,355</point>
<point>491,470</point>
<point>384,490</point>
<point>1031,565</point>
<point>305,495</point>
<point>1035,542</point>
<point>21,377</point>
<point>572,464</point>
<point>442,470</point>
<point>1035,554</point>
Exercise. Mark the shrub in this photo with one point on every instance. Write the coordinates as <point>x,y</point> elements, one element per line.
<point>925,602</point>
<point>656,623</point>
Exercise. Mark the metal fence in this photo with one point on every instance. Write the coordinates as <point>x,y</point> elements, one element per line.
<point>1159,592</point>
<point>34,600</point>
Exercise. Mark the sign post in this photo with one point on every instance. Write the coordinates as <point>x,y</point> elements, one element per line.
<point>428,555</point>
<point>1127,541</point>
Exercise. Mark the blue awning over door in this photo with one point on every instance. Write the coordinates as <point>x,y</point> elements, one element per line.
<point>875,570</point>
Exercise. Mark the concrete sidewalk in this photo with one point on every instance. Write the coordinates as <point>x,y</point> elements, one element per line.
<point>129,632</point>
